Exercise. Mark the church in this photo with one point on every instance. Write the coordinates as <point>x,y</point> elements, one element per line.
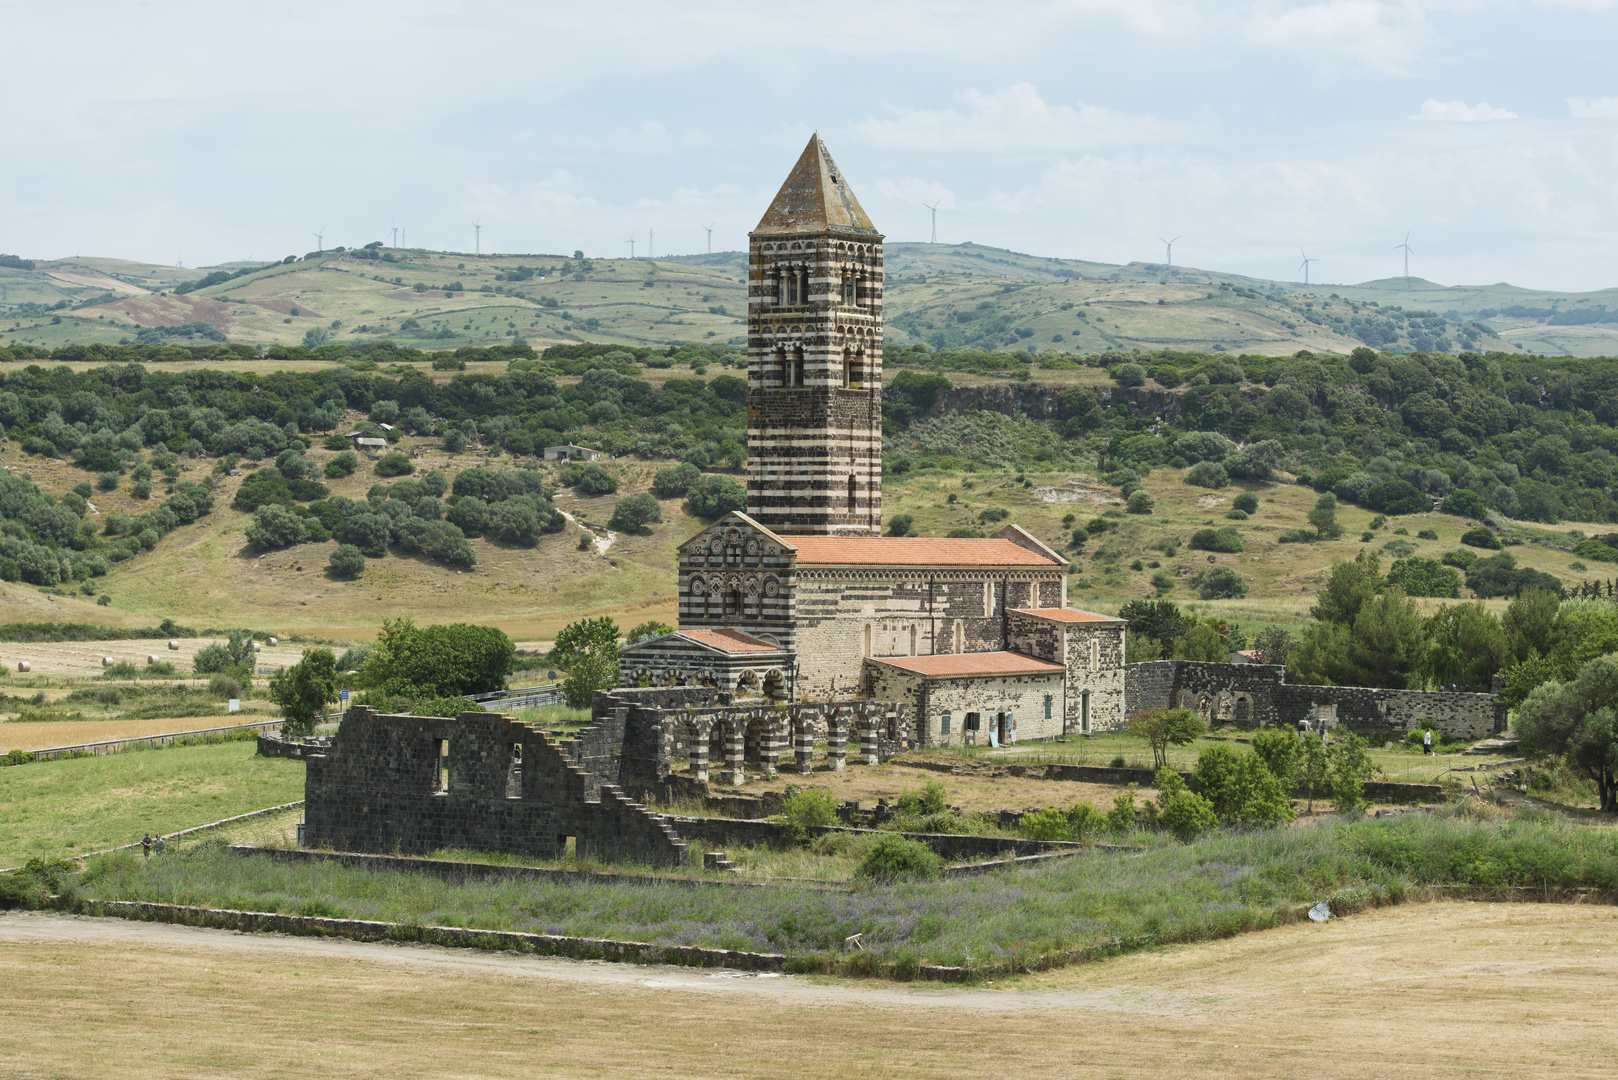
<point>801,597</point>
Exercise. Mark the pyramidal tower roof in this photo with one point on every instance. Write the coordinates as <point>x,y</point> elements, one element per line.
<point>815,198</point>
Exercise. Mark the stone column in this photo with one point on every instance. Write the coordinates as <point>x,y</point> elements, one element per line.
<point>868,722</point>
<point>699,752</point>
<point>775,738</point>
<point>803,743</point>
<point>736,751</point>
<point>837,739</point>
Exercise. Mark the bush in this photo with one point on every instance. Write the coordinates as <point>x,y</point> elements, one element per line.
<point>1047,824</point>
<point>1141,502</point>
<point>1296,536</point>
<point>1130,375</point>
<point>1464,502</point>
<point>1427,534</point>
<point>590,478</point>
<point>224,687</point>
<point>1219,583</point>
<point>1208,474</point>
<point>1424,577</point>
<point>811,807</point>
<point>1226,540</point>
<point>893,858</point>
<point>1182,812</point>
<point>715,497</point>
<point>394,465</point>
<point>342,465</point>
<point>1246,502</point>
<point>234,653</point>
<point>1461,558</point>
<point>675,482</point>
<point>929,799</point>
<point>1121,818</point>
<point>1085,821</point>
<point>1481,536</point>
<point>900,524</point>
<point>347,561</point>
<point>634,512</point>
<point>274,526</point>
<point>1199,446</point>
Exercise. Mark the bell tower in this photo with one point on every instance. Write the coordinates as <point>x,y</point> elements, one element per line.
<point>814,358</point>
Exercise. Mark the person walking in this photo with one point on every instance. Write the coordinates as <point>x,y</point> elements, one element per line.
<point>146,845</point>
<point>159,843</point>
<point>1427,742</point>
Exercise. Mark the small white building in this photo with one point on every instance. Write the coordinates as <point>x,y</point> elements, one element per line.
<point>571,453</point>
<point>364,443</point>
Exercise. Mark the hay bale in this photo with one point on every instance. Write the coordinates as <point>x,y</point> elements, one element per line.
<point>275,641</point>
<point>174,646</point>
<point>107,661</point>
<point>151,658</point>
<point>23,665</point>
<point>257,646</point>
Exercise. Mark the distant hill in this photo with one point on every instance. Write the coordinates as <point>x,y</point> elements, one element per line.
<point>941,294</point>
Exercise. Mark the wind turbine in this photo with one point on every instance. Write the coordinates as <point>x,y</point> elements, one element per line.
<point>710,236</point>
<point>631,243</point>
<point>934,208</point>
<point>1305,265</point>
<point>1406,247</point>
<point>477,238</point>
<point>320,240</point>
<point>1170,245</point>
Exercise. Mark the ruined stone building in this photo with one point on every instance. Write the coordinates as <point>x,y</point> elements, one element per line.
<point>801,597</point>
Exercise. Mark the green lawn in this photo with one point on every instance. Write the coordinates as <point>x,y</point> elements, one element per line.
<point>87,804</point>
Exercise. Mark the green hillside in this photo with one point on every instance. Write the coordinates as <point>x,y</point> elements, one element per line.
<point>941,295</point>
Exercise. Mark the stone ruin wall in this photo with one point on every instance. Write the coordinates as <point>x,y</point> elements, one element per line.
<point>377,788</point>
<point>1259,694</point>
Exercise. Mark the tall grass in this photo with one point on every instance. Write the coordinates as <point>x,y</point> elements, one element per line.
<point>1224,884</point>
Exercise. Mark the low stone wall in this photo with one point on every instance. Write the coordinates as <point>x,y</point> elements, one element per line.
<point>718,833</point>
<point>273,745</point>
<point>457,870</point>
<point>1258,694</point>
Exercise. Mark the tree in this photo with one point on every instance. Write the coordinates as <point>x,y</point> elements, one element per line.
<point>1240,787</point>
<point>1141,502</point>
<point>347,561</point>
<point>342,465</point>
<point>1273,645</point>
<point>591,479</point>
<point>452,660</point>
<point>304,690</point>
<point>1158,620</point>
<point>1349,587</point>
<point>635,511</point>
<point>1128,375</point>
<point>1350,767</point>
<point>900,524</point>
<point>1201,641</point>
<point>393,465</point>
<point>588,651</point>
<point>1419,576</point>
<point>1162,728</point>
<point>1219,583</point>
<point>1281,753</point>
<point>646,631</point>
<point>1315,768</point>
<point>1466,646</point>
<point>675,482</point>
<point>1183,812</point>
<point>715,497</point>
<point>275,526</point>
<point>235,652</point>
<point>1246,502</point>
<point>1578,720</point>
<point>1323,518</point>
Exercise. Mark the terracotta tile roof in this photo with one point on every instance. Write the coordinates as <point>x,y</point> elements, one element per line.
<point>1057,614</point>
<point>732,641</point>
<point>912,551</point>
<point>989,663</point>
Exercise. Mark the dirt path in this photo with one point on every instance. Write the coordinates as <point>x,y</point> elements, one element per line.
<point>1431,990</point>
<point>602,543</point>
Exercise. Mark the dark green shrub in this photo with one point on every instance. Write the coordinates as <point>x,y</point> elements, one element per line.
<point>1246,502</point>
<point>893,858</point>
<point>1226,540</point>
<point>1481,536</point>
<point>394,465</point>
<point>1208,474</point>
<point>346,562</point>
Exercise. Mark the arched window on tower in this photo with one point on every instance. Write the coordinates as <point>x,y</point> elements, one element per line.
<point>851,495</point>
<point>848,368</point>
<point>797,366</point>
<point>779,375</point>
<point>848,288</point>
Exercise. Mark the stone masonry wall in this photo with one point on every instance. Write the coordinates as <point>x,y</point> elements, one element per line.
<point>378,789</point>
<point>1259,694</point>
<point>1024,699</point>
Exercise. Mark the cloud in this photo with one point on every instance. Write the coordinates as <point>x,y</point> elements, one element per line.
<point>1390,39</point>
<point>1605,108</point>
<point>1433,109</point>
<point>921,192</point>
<point>1015,118</point>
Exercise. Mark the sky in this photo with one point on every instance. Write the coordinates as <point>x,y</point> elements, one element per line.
<point>1258,132</point>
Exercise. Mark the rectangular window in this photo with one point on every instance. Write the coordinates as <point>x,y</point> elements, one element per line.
<point>1047,706</point>
<point>971,721</point>
<point>441,765</point>
<point>943,724</point>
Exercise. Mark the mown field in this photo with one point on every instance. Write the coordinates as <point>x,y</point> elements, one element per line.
<point>63,808</point>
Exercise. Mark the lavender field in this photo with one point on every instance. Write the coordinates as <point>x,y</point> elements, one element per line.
<point>1226,883</point>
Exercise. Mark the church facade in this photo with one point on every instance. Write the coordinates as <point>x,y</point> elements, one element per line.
<point>801,597</point>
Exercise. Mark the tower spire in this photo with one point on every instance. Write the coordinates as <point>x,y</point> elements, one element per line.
<point>815,198</point>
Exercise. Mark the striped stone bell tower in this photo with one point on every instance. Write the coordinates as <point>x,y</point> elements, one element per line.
<point>814,358</point>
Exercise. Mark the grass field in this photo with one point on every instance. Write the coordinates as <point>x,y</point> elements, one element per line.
<point>88,804</point>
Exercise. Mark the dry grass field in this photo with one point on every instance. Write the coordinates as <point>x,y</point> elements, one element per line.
<point>1421,991</point>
